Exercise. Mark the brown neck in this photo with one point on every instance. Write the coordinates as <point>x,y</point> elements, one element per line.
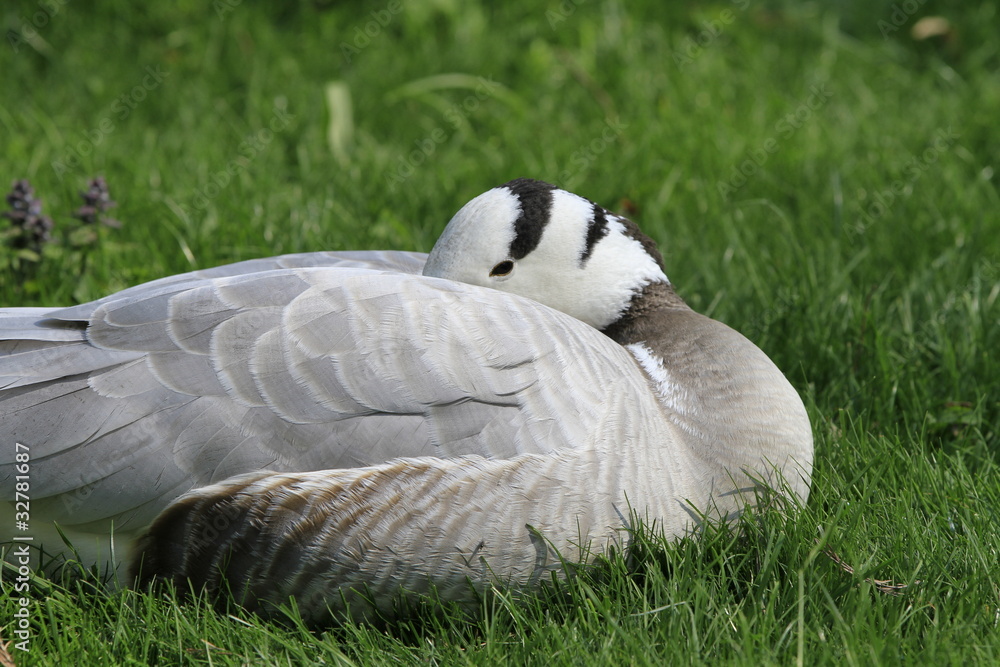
<point>638,323</point>
<point>721,389</point>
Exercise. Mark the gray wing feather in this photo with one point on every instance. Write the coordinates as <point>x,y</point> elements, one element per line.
<point>24,324</point>
<point>383,260</point>
<point>292,370</point>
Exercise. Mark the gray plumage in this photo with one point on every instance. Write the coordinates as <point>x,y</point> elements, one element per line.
<point>344,427</point>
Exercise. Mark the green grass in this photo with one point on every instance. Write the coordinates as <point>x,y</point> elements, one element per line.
<point>881,308</point>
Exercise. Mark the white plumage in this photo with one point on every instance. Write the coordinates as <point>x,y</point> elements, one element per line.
<point>344,427</point>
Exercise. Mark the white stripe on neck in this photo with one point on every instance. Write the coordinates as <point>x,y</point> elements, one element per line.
<point>681,403</point>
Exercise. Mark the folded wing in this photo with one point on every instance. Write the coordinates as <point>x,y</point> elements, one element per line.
<point>130,401</point>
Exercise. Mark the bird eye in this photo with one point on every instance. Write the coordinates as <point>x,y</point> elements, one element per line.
<point>503,268</point>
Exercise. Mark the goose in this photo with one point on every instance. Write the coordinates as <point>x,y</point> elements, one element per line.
<point>345,428</point>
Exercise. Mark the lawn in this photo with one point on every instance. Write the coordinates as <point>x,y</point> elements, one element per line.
<point>820,176</point>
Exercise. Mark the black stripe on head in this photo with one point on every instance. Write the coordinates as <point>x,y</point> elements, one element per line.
<point>596,230</point>
<point>536,208</point>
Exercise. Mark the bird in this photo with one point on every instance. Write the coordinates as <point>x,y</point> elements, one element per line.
<point>351,429</point>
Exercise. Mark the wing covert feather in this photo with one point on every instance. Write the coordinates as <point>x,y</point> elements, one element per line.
<point>304,369</point>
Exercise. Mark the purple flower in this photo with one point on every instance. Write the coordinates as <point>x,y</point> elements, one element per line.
<point>34,229</point>
<point>96,200</point>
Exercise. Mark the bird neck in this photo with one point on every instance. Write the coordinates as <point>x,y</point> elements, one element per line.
<point>740,416</point>
<point>640,320</point>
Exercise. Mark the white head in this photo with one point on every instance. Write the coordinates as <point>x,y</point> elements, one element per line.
<point>532,239</point>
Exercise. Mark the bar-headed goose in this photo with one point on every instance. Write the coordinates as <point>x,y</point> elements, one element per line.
<point>339,427</point>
